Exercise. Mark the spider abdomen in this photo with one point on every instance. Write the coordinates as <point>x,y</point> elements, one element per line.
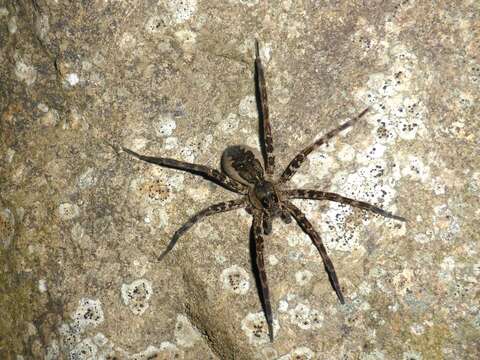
<point>243,163</point>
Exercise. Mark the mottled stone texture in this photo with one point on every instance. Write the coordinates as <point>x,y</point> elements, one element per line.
<point>81,226</point>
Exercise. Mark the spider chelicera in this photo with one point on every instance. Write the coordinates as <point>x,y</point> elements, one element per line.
<point>264,196</point>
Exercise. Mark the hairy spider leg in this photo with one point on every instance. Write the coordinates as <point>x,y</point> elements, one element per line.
<point>262,104</point>
<point>204,171</point>
<point>301,156</point>
<point>267,223</point>
<point>261,276</point>
<point>307,227</point>
<point>212,209</point>
<point>321,195</point>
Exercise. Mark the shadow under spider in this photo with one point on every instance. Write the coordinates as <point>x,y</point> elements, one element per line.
<point>250,173</point>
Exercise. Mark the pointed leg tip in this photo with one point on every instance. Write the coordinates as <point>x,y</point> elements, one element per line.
<point>257,48</point>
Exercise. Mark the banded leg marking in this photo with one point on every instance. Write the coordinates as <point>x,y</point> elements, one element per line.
<point>301,156</point>
<point>212,209</point>
<point>201,170</point>
<point>307,227</point>
<point>258,241</point>
<point>261,91</point>
<point>321,195</point>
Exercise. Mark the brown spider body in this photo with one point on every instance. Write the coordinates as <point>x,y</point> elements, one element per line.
<point>263,196</point>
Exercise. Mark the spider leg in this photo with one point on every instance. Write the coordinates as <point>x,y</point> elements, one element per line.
<point>212,209</point>
<point>204,171</point>
<point>259,266</point>
<point>262,104</point>
<point>301,156</point>
<point>267,223</point>
<point>307,227</point>
<point>321,195</point>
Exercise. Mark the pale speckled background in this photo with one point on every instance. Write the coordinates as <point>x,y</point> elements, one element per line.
<point>80,226</point>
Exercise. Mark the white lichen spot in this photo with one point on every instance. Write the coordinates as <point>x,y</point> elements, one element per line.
<point>255,328</point>
<point>12,25</point>
<point>374,355</point>
<point>50,118</point>
<point>412,355</point>
<point>248,3</point>
<point>414,168</point>
<point>346,153</point>
<point>3,11</point>
<point>364,288</point>
<point>248,107</point>
<point>7,227</point>
<point>404,281</point>
<point>182,10</point>
<point>187,38</point>
<point>166,350</point>
<point>230,124</point>
<point>303,277</point>
<point>446,268</point>
<point>154,24</point>
<point>186,334</point>
<point>373,152</point>
<point>42,285</point>
<point>165,126</point>
<point>283,306</point>
<point>25,73</point>
<point>137,295</point>
<point>70,335</point>
<point>127,41</point>
<point>72,79</point>
<point>305,317</point>
<point>43,107</point>
<point>272,260</point>
<point>53,351</point>
<point>9,155</point>
<point>68,211</point>
<point>236,280</point>
<point>170,143</point>
<point>417,329</point>
<point>422,238</point>
<point>85,350</point>
<point>89,313</point>
<point>87,179</point>
<point>300,353</point>
<point>187,154</point>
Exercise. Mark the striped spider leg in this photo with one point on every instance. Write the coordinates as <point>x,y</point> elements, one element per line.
<point>262,105</point>
<point>322,195</point>
<point>298,160</point>
<point>257,249</point>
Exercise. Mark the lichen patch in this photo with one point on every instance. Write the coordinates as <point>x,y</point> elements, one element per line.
<point>236,280</point>
<point>255,328</point>
<point>137,295</point>
<point>89,313</point>
<point>68,211</point>
<point>305,317</point>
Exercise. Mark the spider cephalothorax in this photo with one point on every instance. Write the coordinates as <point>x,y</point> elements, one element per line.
<point>264,196</point>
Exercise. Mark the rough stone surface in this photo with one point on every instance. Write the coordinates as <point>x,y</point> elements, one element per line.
<point>81,226</point>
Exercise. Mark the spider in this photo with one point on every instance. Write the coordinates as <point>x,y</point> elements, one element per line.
<point>263,195</point>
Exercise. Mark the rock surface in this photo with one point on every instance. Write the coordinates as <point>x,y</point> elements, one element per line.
<point>81,225</point>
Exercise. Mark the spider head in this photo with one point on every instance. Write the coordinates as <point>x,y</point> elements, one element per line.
<point>265,192</point>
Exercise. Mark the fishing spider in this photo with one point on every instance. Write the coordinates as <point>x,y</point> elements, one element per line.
<point>264,196</point>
